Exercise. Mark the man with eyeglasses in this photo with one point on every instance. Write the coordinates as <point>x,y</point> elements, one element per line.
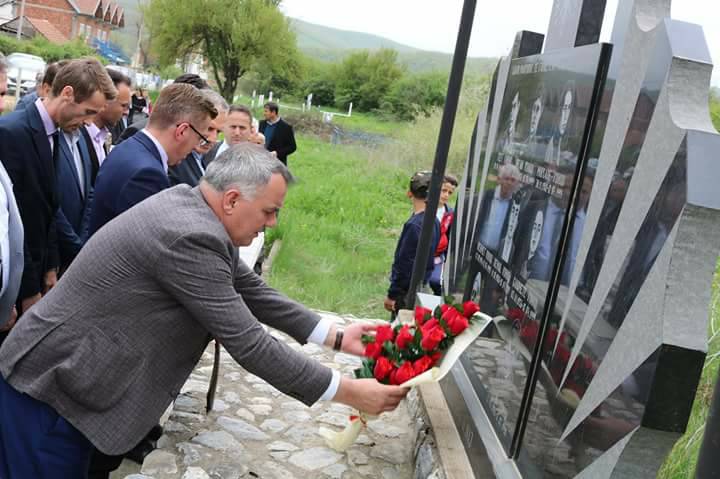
<point>192,168</point>
<point>138,167</point>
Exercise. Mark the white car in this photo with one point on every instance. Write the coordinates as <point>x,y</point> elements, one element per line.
<point>27,67</point>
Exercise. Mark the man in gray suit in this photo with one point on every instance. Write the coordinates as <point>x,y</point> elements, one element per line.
<point>11,236</point>
<point>106,351</point>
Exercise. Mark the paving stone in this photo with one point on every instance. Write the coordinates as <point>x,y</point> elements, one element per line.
<point>191,453</point>
<point>348,360</point>
<point>271,470</point>
<point>273,425</point>
<point>280,455</point>
<point>300,434</point>
<point>233,376</point>
<point>138,476</point>
<point>172,426</point>
<point>218,440</point>
<point>261,400</point>
<point>335,471</point>
<point>395,452</point>
<point>357,457</point>
<point>335,419</point>
<point>188,404</point>
<point>245,414</point>
<point>315,458</point>
<point>241,429</point>
<point>159,462</point>
<point>364,440</point>
<point>389,473</point>
<point>260,409</point>
<point>231,397</point>
<point>293,405</point>
<point>366,471</point>
<point>187,416</point>
<point>297,416</point>
<point>195,473</point>
<point>194,385</point>
<point>282,446</point>
<point>228,472</point>
<point>219,405</point>
<point>386,429</point>
<point>266,388</point>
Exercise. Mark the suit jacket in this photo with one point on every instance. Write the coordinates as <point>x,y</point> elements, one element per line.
<point>25,152</point>
<point>210,155</point>
<point>132,172</point>
<point>187,172</point>
<point>26,100</point>
<point>94,160</point>
<point>112,344</point>
<point>132,128</point>
<point>73,216</point>
<point>116,131</point>
<point>282,141</point>
<point>15,240</point>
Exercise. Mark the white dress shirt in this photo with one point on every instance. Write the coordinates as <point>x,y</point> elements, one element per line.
<point>98,137</point>
<point>5,237</point>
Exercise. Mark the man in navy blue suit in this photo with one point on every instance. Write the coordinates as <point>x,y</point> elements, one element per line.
<point>137,167</point>
<point>29,151</point>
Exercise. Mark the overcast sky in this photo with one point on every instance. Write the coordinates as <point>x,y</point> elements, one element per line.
<point>432,25</point>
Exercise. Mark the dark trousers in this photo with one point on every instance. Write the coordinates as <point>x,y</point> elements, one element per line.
<point>36,442</point>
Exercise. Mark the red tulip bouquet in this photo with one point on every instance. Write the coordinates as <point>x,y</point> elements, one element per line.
<point>413,353</point>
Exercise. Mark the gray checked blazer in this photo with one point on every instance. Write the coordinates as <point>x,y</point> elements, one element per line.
<point>112,344</point>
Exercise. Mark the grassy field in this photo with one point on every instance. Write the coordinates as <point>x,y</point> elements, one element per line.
<point>680,464</point>
<point>339,228</point>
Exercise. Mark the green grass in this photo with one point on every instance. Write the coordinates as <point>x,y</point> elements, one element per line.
<point>680,464</point>
<point>339,227</point>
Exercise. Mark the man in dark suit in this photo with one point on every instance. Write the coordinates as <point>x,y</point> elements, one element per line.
<point>97,133</point>
<point>192,168</point>
<point>279,136</point>
<point>137,168</point>
<point>75,196</point>
<point>29,150</point>
<point>103,356</point>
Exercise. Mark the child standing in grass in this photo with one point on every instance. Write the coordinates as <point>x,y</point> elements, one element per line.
<point>445,215</point>
<point>407,244</point>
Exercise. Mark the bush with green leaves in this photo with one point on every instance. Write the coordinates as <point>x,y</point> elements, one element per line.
<point>415,95</point>
<point>364,78</point>
<point>50,52</point>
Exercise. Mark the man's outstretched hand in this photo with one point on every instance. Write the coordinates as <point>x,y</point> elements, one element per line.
<point>369,396</point>
<point>352,340</point>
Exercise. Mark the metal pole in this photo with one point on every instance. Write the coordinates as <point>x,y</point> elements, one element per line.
<point>708,465</point>
<point>20,22</point>
<point>443,147</point>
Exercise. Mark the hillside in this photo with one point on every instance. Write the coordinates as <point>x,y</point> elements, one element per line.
<point>327,44</point>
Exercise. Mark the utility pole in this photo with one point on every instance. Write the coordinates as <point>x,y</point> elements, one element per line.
<point>20,21</point>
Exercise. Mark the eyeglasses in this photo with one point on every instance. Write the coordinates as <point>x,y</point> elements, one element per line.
<point>203,139</point>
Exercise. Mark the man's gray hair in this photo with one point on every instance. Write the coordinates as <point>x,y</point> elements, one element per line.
<point>509,170</point>
<point>3,64</point>
<point>217,100</point>
<point>246,167</point>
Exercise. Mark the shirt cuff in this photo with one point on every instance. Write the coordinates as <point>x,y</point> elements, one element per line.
<point>319,334</point>
<point>330,392</point>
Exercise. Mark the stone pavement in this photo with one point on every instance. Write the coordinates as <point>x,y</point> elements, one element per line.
<point>255,431</point>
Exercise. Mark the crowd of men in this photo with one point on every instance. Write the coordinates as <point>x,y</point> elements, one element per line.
<point>118,258</point>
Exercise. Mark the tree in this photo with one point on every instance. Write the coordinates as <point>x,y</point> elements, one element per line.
<point>234,36</point>
<point>364,78</point>
<point>414,95</point>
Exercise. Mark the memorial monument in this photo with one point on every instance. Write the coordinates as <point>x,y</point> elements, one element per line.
<point>588,226</point>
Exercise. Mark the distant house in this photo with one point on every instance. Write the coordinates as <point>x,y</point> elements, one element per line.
<point>33,27</point>
<point>89,19</point>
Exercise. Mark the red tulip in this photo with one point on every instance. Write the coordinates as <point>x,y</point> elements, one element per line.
<point>421,315</point>
<point>384,333</point>
<point>431,338</point>
<point>470,308</point>
<point>404,337</point>
<point>405,373</point>
<point>422,365</point>
<point>382,368</point>
<point>373,350</point>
